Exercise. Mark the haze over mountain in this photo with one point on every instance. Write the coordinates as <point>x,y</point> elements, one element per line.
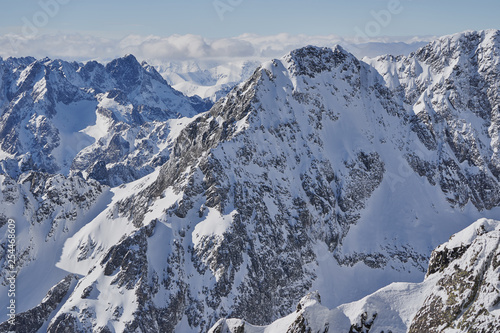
<point>320,172</point>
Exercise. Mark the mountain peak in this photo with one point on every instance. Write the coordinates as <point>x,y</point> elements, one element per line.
<point>128,72</point>
<point>16,62</point>
<point>48,105</point>
<point>128,61</point>
<point>128,58</point>
<point>482,34</point>
<point>312,60</point>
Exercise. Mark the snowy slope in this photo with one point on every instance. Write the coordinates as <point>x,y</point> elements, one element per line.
<point>460,293</point>
<point>320,172</point>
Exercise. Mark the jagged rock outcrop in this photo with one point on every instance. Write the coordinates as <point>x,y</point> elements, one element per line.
<point>459,294</point>
<point>46,210</point>
<point>33,319</point>
<point>466,296</point>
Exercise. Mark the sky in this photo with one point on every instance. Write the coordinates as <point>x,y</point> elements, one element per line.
<point>108,27</point>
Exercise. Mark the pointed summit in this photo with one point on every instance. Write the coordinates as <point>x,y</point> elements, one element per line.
<point>312,60</point>
<point>126,71</point>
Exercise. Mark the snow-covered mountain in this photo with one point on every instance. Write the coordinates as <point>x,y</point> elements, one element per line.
<point>460,293</point>
<point>208,79</point>
<point>214,78</point>
<point>109,122</point>
<point>320,172</point>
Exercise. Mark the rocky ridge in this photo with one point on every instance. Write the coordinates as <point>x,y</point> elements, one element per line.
<point>459,294</point>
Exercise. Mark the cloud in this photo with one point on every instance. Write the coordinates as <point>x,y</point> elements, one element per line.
<point>232,47</point>
<point>172,47</point>
<point>175,47</point>
<point>70,47</point>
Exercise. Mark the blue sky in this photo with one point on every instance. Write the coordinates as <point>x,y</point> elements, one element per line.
<point>228,18</point>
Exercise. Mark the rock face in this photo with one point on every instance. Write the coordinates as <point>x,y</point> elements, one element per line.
<point>33,319</point>
<point>463,295</point>
<point>466,296</point>
<point>321,172</point>
<point>62,117</point>
<point>48,208</point>
<point>463,93</point>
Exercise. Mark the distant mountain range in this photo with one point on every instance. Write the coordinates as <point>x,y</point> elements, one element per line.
<point>213,78</point>
<point>139,209</point>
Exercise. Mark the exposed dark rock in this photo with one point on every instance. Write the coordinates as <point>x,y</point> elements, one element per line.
<point>31,320</point>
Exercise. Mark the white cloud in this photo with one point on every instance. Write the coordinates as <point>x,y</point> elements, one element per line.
<point>70,47</point>
<point>175,47</point>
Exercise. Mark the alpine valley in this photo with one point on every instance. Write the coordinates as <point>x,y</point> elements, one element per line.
<point>294,203</point>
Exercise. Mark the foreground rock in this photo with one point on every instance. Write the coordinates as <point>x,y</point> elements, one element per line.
<point>461,293</point>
